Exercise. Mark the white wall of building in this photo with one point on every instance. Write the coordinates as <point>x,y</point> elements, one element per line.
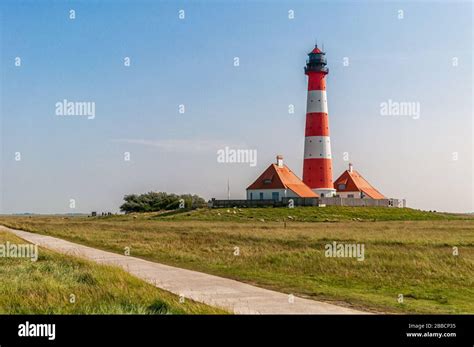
<point>267,194</point>
<point>349,194</point>
<point>325,192</point>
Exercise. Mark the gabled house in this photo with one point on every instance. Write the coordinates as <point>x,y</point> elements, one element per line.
<point>352,185</point>
<point>277,182</point>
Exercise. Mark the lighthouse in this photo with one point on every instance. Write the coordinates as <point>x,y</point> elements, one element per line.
<point>317,166</point>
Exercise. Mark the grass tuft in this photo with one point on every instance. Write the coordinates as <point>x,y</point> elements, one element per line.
<point>47,285</point>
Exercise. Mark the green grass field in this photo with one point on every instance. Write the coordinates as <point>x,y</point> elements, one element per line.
<point>407,252</point>
<point>45,287</point>
<point>309,214</point>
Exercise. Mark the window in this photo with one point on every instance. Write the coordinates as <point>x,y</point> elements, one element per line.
<point>350,195</point>
<point>261,196</point>
<point>341,187</point>
<point>251,196</point>
<point>275,196</point>
<point>267,181</point>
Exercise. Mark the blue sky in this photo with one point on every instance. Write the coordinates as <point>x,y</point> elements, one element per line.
<point>191,62</point>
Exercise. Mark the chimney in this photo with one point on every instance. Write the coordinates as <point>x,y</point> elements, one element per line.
<point>280,160</point>
<point>350,167</point>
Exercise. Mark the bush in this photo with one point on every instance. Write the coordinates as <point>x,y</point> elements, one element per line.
<point>153,201</point>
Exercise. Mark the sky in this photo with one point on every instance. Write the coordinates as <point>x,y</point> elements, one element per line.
<point>398,53</point>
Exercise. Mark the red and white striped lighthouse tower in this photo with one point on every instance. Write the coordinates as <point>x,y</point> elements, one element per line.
<point>317,167</point>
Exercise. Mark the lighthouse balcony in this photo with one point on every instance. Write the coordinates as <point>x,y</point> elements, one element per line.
<point>316,68</point>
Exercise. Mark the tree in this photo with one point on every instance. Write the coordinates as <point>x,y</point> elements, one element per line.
<point>156,201</point>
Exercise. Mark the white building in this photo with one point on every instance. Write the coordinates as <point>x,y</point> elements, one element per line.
<point>352,185</point>
<point>276,182</point>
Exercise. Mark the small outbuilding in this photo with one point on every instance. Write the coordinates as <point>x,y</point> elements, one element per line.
<point>277,182</point>
<point>352,185</point>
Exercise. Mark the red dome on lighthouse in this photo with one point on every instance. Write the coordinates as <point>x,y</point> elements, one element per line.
<point>316,50</point>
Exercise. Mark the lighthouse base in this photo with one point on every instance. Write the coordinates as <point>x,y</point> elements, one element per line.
<point>325,192</point>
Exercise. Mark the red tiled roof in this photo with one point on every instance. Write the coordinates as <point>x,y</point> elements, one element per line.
<point>275,177</point>
<point>354,182</point>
